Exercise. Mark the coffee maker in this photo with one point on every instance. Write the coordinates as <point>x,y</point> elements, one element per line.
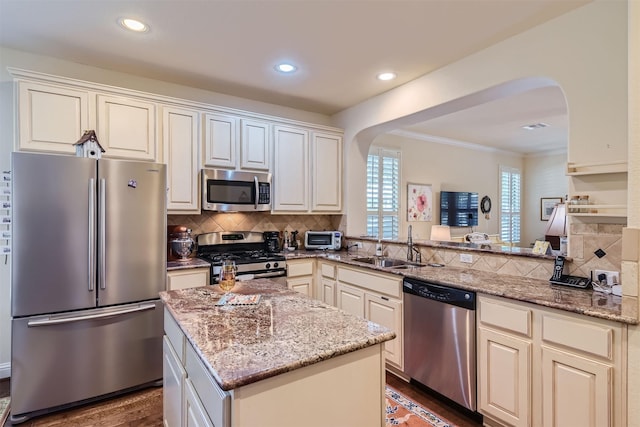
<point>271,241</point>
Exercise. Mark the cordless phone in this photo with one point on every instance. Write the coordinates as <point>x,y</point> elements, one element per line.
<point>559,278</point>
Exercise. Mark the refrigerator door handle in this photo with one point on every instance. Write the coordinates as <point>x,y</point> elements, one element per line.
<point>102,253</point>
<point>92,235</point>
<point>69,319</point>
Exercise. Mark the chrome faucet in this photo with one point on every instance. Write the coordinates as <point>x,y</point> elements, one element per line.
<point>409,246</point>
<point>411,249</point>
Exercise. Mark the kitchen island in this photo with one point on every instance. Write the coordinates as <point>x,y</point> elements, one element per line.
<point>288,360</point>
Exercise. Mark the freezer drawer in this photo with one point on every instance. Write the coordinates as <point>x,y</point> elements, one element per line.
<point>62,359</point>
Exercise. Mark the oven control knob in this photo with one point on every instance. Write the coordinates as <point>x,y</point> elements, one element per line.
<point>268,266</point>
<point>275,265</point>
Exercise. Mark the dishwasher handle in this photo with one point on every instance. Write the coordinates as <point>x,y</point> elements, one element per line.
<point>444,294</point>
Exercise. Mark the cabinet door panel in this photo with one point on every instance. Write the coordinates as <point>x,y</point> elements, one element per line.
<point>255,150</point>
<point>127,128</point>
<point>304,285</point>
<point>173,386</point>
<point>505,377</point>
<point>221,138</point>
<point>195,415</point>
<point>575,391</point>
<point>51,118</point>
<point>388,313</point>
<point>350,299</point>
<point>328,291</point>
<point>180,138</point>
<point>326,170</point>
<point>290,180</point>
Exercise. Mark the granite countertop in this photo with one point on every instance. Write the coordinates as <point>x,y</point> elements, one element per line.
<point>535,291</point>
<point>286,330</point>
<point>188,263</point>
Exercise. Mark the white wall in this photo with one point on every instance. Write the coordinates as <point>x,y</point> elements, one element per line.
<point>583,51</point>
<point>448,168</point>
<point>543,176</point>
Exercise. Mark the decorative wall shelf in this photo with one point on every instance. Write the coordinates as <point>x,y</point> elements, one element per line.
<point>575,169</point>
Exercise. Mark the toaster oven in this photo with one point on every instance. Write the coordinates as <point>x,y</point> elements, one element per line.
<point>323,240</point>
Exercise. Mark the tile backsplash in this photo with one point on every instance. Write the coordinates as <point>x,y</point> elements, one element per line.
<point>256,221</point>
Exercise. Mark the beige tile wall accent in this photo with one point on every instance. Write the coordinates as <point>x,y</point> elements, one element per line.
<point>255,221</point>
<point>585,239</point>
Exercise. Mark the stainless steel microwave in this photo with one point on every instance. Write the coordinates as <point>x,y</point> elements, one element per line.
<point>231,191</point>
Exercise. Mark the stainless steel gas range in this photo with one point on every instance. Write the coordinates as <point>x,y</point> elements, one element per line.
<point>253,252</point>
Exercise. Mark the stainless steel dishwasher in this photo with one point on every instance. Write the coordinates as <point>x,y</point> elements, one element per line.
<point>440,339</point>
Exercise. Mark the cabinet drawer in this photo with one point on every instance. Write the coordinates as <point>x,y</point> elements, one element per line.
<point>216,401</point>
<point>505,316</point>
<point>582,335</point>
<point>295,269</point>
<point>371,281</point>
<point>328,270</point>
<point>175,335</point>
<point>191,278</point>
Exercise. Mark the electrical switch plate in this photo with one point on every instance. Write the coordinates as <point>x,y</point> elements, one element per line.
<point>468,258</point>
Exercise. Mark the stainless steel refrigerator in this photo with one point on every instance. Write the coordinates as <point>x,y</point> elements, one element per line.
<point>89,258</point>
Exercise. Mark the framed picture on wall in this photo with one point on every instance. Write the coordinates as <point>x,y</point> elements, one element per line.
<point>419,202</point>
<point>546,207</point>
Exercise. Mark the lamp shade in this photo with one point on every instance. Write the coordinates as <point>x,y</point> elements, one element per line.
<point>440,232</point>
<point>557,225</point>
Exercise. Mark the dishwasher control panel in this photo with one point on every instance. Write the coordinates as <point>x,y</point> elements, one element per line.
<point>458,297</point>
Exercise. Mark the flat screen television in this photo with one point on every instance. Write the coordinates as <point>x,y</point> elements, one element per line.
<point>458,208</point>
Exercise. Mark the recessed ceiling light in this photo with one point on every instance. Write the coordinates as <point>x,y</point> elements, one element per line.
<point>134,25</point>
<point>286,68</point>
<point>535,126</point>
<point>386,76</point>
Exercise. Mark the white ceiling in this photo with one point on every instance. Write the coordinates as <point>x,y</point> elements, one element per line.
<point>231,46</point>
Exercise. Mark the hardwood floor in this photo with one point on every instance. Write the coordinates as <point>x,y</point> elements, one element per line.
<point>144,409</point>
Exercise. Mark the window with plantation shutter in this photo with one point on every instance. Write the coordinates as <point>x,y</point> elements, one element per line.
<point>510,193</point>
<point>383,193</point>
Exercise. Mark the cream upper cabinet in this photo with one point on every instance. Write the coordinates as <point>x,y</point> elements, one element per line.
<point>255,146</point>
<point>220,139</point>
<point>180,137</point>
<point>236,143</point>
<point>290,174</point>
<point>307,171</point>
<point>51,118</point>
<point>127,127</point>
<point>543,367</point>
<point>326,172</point>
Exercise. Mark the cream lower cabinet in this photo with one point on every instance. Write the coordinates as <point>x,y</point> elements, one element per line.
<point>187,278</point>
<point>376,297</point>
<point>300,274</point>
<point>326,290</point>
<point>544,367</point>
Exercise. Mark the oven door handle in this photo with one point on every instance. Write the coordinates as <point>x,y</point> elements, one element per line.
<point>270,274</point>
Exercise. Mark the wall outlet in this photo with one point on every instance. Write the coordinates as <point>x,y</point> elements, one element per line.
<point>612,277</point>
<point>358,245</point>
<point>468,258</point>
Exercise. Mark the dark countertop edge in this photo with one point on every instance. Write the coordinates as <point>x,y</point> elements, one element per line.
<point>249,379</point>
<point>504,293</point>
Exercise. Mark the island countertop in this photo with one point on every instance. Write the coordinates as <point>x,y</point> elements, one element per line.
<point>286,330</point>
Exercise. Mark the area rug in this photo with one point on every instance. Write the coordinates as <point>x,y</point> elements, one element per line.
<point>4,409</point>
<point>403,412</point>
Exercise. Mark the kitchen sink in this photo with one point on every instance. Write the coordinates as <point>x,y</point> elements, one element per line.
<point>387,262</point>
